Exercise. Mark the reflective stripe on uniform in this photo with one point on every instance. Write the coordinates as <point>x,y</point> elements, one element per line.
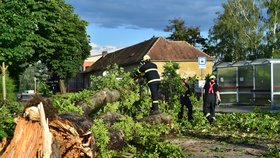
<point>155,101</point>
<point>152,69</point>
<point>154,80</point>
<point>208,114</point>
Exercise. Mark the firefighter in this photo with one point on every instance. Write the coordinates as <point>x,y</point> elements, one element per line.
<point>211,93</point>
<point>149,69</point>
<point>185,101</point>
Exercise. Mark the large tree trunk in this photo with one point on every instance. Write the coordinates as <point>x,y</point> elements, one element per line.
<point>98,100</point>
<point>63,139</point>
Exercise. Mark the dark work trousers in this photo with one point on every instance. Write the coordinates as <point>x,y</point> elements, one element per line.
<point>185,101</point>
<point>210,105</point>
<point>154,87</point>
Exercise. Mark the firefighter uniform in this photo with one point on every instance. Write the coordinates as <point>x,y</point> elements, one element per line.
<point>151,74</point>
<point>185,101</point>
<point>211,93</point>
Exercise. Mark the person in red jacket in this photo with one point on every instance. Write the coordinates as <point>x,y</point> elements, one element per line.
<point>211,93</point>
<point>152,76</point>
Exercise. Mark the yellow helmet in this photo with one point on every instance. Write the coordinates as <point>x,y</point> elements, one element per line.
<point>146,57</point>
<point>212,77</point>
<point>185,77</point>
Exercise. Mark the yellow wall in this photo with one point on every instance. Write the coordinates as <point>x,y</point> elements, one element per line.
<point>189,68</point>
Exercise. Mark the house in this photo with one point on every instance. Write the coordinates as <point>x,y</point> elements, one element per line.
<point>161,51</point>
<point>91,60</point>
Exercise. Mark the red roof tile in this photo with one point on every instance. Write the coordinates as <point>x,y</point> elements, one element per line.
<point>159,49</point>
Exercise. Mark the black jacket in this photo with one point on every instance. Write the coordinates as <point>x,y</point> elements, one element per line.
<point>207,86</point>
<point>151,72</point>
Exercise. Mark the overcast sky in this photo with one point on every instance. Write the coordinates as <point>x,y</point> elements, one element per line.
<point>121,23</point>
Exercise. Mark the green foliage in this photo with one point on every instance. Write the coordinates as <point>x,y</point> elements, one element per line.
<point>8,109</point>
<point>272,23</point>
<point>67,103</point>
<point>127,125</point>
<point>44,89</point>
<point>42,30</point>
<point>135,100</point>
<point>147,138</point>
<point>246,30</point>
<point>101,135</point>
<point>10,88</point>
<point>66,43</point>
<point>36,71</point>
<point>273,151</point>
<point>27,79</point>
<point>182,33</point>
<point>171,87</point>
<point>134,104</point>
<point>17,32</point>
<point>171,83</point>
<point>236,126</point>
<point>115,78</point>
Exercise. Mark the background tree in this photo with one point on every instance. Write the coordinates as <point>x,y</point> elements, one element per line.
<point>66,43</point>
<point>237,34</point>
<point>42,30</point>
<point>272,27</point>
<point>17,30</point>
<point>180,32</point>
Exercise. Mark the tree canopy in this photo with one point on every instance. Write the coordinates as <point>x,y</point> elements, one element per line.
<point>46,31</point>
<point>180,32</point>
<point>246,30</point>
<point>17,31</point>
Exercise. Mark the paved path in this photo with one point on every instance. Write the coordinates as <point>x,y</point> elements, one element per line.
<point>244,108</point>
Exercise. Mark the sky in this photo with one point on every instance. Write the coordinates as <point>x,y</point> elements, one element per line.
<point>115,24</point>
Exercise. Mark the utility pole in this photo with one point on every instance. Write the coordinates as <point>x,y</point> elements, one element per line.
<point>3,69</point>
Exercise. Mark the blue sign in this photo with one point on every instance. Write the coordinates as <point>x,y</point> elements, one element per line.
<point>202,62</point>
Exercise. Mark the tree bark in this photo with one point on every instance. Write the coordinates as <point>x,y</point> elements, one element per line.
<point>62,86</point>
<point>33,139</point>
<point>3,69</point>
<point>98,100</point>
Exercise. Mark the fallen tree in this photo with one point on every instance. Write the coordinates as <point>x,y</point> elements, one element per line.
<point>67,134</point>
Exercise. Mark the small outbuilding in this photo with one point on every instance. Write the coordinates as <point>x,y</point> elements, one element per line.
<point>254,82</point>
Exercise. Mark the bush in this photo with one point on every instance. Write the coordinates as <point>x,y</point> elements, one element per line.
<point>8,109</point>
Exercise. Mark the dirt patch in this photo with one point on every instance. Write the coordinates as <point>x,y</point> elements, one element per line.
<point>197,148</point>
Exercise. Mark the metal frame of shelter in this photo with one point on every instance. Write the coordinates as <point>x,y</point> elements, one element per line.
<point>254,82</point>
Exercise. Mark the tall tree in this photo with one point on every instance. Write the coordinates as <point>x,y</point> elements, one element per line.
<point>17,29</point>
<point>272,26</point>
<point>66,43</point>
<point>45,30</point>
<point>237,34</point>
<point>180,32</point>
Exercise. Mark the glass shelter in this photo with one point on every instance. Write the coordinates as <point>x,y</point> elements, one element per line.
<point>254,82</point>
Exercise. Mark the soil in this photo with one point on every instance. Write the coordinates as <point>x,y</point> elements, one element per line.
<point>207,148</point>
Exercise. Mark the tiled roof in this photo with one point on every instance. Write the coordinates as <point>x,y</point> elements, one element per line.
<point>165,50</point>
<point>159,49</point>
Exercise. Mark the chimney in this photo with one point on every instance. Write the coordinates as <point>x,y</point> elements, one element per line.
<point>104,53</point>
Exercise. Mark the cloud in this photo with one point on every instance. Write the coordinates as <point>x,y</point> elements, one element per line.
<point>155,14</point>
<point>97,49</point>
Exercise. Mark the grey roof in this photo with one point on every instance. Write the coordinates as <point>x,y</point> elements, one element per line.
<point>242,63</point>
<point>224,64</point>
